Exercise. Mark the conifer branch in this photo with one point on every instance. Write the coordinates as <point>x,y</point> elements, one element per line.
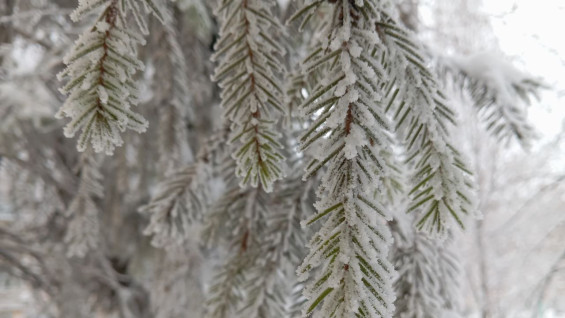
<point>427,284</point>
<point>248,73</point>
<point>497,89</point>
<point>83,230</point>
<point>355,277</point>
<point>176,205</point>
<point>239,216</point>
<point>101,89</point>
<point>269,281</point>
<point>182,197</point>
<point>100,69</point>
<point>225,292</point>
<point>442,186</point>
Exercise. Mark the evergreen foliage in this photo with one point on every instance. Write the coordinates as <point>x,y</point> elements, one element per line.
<point>271,278</point>
<point>100,70</point>
<point>352,245</point>
<point>364,53</point>
<point>442,185</point>
<point>427,283</point>
<point>498,91</point>
<point>324,185</point>
<point>181,198</point>
<point>248,73</point>
<point>83,229</point>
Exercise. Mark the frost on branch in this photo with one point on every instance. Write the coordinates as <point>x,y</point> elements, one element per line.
<point>133,7</point>
<point>100,86</point>
<point>441,190</point>
<point>498,90</point>
<point>83,229</point>
<point>181,198</point>
<point>100,69</point>
<point>350,129</point>
<point>236,219</point>
<point>178,202</point>
<point>225,291</point>
<point>428,280</point>
<point>248,73</point>
<point>269,281</point>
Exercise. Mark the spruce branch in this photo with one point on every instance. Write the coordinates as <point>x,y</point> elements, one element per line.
<point>225,292</point>
<point>269,281</point>
<point>100,86</point>
<point>427,283</point>
<point>352,133</point>
<point>100,74</point>
<point>442,187</point>
<point>499,91</point>
<point>248,73</point>
<point>83,231</point>
<point>177,204</point>
<point>182,197</point>
<point>239,217</point>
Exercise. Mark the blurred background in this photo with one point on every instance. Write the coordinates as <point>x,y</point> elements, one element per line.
<point>513,259</point>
